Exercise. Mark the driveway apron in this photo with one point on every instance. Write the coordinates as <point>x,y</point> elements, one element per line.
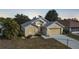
<point>70,42</point>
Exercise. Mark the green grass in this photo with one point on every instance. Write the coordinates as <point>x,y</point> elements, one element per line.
<point>32,43</point>
<point>73,36</point>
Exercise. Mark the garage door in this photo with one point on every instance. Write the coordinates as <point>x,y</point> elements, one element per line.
<point>54,31</point>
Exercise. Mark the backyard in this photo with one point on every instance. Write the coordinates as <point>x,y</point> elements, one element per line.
<point>32,43</point>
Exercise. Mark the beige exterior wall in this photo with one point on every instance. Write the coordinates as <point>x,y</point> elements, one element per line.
<point>54,30</point>
<point>30,30</point>
<point>54,26</point>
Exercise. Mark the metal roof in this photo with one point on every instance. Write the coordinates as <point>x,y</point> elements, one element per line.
<point>33,20</point>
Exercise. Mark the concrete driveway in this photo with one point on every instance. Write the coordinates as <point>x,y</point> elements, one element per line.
<point>70,42</point>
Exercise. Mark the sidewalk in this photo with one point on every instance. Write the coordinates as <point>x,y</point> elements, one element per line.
<point>70,42</point>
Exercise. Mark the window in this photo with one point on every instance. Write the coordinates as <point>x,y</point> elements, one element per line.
<point>39,23</point>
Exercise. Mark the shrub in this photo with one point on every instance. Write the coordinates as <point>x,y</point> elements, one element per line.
<point>29,36</point>
<point>37,34</point>
<point>66,31</point>
<point>21,33</point>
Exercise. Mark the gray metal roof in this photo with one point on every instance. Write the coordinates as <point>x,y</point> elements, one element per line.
<point>42,19</point>
<point>33,20</point>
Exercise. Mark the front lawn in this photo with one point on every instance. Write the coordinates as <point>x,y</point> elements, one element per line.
<point>73,36</point>
<point>32,43</point>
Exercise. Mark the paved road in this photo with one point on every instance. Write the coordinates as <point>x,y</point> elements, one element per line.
<point>72,43</point>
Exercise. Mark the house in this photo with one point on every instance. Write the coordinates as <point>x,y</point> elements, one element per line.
<point>71,25</point>
<point>42,26</point>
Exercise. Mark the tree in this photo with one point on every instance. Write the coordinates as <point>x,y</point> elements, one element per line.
<point>2,19</point>
<point>11,28</point>
<point>66,31</point>
<point>75,19</point>
<point>20,18</point>
<point>52,15</point>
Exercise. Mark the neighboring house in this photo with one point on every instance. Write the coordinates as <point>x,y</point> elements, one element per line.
<point>43,26</point>
<point>71,25</point>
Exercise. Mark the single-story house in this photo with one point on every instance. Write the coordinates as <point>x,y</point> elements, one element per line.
<point>43,26</point>
<point>71,25</point>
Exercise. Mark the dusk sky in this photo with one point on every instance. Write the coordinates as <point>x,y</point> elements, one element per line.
<point>63,13</point>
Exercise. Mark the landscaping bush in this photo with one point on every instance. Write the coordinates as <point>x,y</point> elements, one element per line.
<point>21,33</point>
<point>66,31</point>
<point>37,34</point>
<point>29,36</point>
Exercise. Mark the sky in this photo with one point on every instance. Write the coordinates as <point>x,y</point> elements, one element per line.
<point>63,13</point>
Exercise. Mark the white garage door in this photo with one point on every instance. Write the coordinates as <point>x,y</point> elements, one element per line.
<point>54,31</point>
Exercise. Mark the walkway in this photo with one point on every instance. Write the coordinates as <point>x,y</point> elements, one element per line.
<point>70,42</point>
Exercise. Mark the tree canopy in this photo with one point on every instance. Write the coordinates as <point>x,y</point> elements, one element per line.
<point>20,18</point>
<point>52,15</point>
<point>11,28</point>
